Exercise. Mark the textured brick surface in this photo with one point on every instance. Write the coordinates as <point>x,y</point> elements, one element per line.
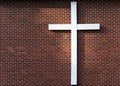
<point>31,55</point>
<point>99,51</point>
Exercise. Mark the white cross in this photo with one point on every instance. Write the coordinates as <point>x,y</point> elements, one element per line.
<point>74,27</point>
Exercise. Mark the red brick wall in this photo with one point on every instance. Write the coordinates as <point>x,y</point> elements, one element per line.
<point>31,55</point>
<point>99,51</point>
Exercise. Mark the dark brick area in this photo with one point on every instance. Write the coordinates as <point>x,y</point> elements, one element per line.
<point>31,55</point>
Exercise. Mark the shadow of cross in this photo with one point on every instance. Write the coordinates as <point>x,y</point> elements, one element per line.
<point>74,27</point>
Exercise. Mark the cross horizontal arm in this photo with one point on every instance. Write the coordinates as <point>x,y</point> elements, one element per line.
<point>59,27</point>
<point>88,26</point>
<point>69,27</point>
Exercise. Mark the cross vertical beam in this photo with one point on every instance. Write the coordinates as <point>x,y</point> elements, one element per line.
<point>74,43</point>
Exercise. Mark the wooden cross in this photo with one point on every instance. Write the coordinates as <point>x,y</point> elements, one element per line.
<point>74,27</point>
